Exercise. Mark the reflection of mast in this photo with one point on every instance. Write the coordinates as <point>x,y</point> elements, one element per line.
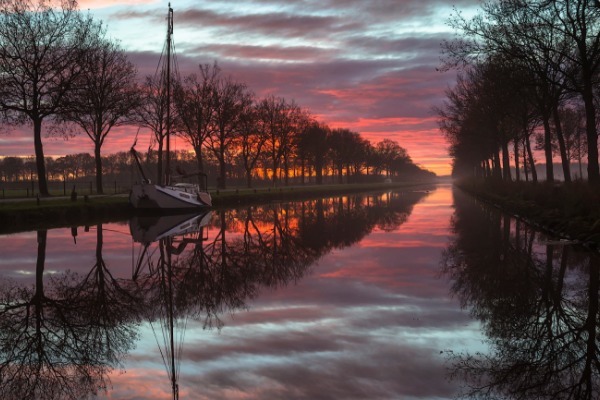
<point>165,277</point>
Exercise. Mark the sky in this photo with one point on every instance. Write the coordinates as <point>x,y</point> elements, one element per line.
<point>366,65</point>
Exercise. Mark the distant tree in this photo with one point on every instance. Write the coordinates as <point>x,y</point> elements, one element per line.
<point>41,53</point>
<point>105,97</point>
<point>391,154</point>
<point>250,141</point>
<point>230,99</point>
<point>153,115</point>
<point>12,167</point>
<point>573,120</point>
<point>346,149</point>
<point>299,121</point>
<point>312,147</point>
<point>277,118</point>
<point>195,108</point>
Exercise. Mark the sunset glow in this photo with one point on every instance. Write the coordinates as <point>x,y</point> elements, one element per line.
<point>369,67</point>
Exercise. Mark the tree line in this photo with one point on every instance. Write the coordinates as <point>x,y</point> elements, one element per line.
<point>528,80</point>
<point>58,66</point>
<point>117,167</point>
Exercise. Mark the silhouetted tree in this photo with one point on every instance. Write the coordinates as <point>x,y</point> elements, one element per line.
<point>194,103</point>
<point>106,96</point>
<point>312,147</point>
<point>229,100</point>
<point>42,49</point>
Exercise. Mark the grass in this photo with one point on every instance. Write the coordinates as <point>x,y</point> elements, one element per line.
<point>31,213</point>
<point>59,212</point>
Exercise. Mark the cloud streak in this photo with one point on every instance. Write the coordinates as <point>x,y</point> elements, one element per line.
<point>361,65</point>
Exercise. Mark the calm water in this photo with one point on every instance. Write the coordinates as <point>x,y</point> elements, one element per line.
<point>404,295</point>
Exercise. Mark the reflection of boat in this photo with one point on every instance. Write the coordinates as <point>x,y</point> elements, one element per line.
<point>162,275</point>
<point>168,194</point>
<point>145,229</point>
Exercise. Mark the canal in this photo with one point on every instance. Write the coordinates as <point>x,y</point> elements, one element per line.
<point>412,294</point>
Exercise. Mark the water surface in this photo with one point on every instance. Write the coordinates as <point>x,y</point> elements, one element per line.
<point>400,295</point>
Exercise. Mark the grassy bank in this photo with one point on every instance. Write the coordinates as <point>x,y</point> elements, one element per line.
<point>567,211</point>
<point>31,214</point>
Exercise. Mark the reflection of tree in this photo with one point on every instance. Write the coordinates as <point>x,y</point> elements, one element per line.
<point>269,246</point>
<point>539,309</point>
<point>106,307</point>
<point>64,335</point>
<point>48,349</point>
<point>342,221</point>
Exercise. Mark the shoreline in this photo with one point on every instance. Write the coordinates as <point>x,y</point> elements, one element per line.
<point>569,212</point>
<point>18,215</point>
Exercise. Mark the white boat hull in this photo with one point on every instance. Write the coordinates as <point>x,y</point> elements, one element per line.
<point>152,196</point>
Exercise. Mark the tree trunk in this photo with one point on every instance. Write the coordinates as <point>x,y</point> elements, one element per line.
<point>525,167</point>
<point>561,144</point>
<point>319,170</point>
<point>249,177</point>
<point>548,150</point>
<point>506,175</point>
<point>98,159</point>
<point>517,161</point>
<point>534,176</point>
<point>302,168</point>
<point>159,160</point>
<point>199,159</point>
<point>39,157</point>
<point>497,172</point>
<point>275,167</point>
<point>286,171</point>
<point>591,134</point>
<point>222,173</point>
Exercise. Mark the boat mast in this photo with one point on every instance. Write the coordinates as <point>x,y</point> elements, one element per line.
<point>168,157</point>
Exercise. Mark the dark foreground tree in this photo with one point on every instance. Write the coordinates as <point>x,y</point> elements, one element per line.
<point>41,49</point>
<point>106,96</point>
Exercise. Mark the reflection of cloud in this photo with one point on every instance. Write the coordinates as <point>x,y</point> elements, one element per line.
<point>371,321</point>
<point>345,351</point>
<point>368,323</point>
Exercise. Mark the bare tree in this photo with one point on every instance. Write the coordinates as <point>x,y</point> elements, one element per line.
<point>230,98</point>
<point>106,96</point>
<point>276,117</point>
<point>194,106</point>
<point>250,141</point>
<point>153,115</point>
<point>312,147</point>
<point>41,49</point>
<point>559,41</point>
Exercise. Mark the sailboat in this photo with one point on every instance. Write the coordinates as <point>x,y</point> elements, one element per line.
<point>185,191</point>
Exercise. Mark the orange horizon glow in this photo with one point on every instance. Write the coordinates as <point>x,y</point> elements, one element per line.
<point>343,72</point>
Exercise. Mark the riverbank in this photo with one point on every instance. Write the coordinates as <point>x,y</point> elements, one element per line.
<point>52,212</point>
<point>570,212</point>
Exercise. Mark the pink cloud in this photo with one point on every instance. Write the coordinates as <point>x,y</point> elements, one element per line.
<point>93,4</point>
